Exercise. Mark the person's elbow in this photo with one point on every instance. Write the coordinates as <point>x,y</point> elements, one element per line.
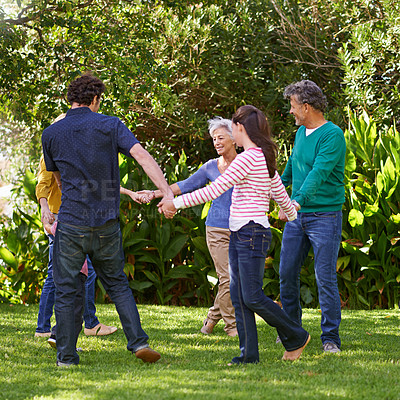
<point>139,153</point>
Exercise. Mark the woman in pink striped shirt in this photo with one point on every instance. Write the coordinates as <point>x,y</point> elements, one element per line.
<point>255,179</point>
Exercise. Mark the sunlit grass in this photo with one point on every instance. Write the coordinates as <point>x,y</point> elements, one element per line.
<point>194,366</point>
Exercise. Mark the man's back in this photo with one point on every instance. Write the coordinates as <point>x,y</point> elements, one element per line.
<point>83,147</point>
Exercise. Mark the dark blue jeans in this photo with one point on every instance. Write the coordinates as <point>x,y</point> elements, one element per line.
<point>248,248</point>
<point>79,302</point>
<point>322,231</point>
<point>89,311</point>
<point>104,247</point>
<point>47,297</point>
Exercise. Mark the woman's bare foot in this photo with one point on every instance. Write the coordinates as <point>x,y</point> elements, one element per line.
<point>295,354</point>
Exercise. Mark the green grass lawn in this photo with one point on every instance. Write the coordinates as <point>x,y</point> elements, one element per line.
<point>194,366</point>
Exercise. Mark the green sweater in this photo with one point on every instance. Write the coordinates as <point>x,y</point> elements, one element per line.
<point>316,169</point>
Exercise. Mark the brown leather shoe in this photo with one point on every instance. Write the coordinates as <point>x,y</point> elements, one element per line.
<point>148,355</point>
<point>207,327</point>
<point>295,354</point>
<point>100,330</point>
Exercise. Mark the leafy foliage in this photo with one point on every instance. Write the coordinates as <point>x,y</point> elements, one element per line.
<point>169,66</point>
<point>369,267</point>
<point>167,260</point>
<point>23,252</point>
<point>370,59</point>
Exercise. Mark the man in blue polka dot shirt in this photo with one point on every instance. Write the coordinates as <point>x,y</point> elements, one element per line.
<point>82,151</point>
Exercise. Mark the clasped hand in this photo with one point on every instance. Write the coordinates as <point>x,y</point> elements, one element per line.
<point>282,215</point>
<point>144,196</point>
<point>165,206</point>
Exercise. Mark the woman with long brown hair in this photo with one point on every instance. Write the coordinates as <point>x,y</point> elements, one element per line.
<point>255,179</point>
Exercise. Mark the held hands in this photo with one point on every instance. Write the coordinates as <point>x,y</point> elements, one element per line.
<point>47,216</point>
<point>144,196</point>
<point>282,215</point>
<point>141,197</point>
<point>48,220</point>
<point>47,227</point>
<point>166,206</point>
<point>50,229</point>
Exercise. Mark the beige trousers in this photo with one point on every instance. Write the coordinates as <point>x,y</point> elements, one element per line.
<point>218,245</point>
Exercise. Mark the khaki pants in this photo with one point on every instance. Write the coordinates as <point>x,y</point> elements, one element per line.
<point>218,245</point>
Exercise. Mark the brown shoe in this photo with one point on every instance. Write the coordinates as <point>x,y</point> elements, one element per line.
<point>295,354</point>
<point>207,327</point>
<point>100,330</point>
<point>148,355</point>
<point>42,334</point>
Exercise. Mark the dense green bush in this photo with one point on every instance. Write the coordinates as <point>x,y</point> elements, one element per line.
<point>369,267</point>
<point>23,249</point>
<point>168,67</point>
<point>370,59</point>
<point>167,260</point>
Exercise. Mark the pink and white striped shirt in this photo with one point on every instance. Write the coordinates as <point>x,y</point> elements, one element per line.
<point>253,189</point>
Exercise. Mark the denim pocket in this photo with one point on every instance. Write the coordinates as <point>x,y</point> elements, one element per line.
<point>244,235</point>
<point>110,244</point>
<point>70,244</point>
<point>262,241</point>
<point>256,239</point>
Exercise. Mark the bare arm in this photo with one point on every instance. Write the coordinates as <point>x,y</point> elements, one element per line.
<point>144,196</point>
<point>47,215</point>
<point>152,170</point>
<point>156,194</point>
<point>175,190</point>
<point>57,177</point>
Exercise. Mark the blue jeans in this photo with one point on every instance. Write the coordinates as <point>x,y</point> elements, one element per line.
<point>78,311</point>
<point>322,231</point>
<point>47,297</point>
<point>248,248</point>
<point>89,311</point>
<point>104,247</point>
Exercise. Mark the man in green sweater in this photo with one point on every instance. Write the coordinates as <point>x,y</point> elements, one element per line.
<point>316,172</point>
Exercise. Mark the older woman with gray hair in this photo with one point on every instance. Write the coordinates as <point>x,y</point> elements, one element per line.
<point>217,221</point>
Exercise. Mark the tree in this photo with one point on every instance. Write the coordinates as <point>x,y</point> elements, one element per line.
<point>371,60</point>
<point>171,65</point>
<point>168,66</point>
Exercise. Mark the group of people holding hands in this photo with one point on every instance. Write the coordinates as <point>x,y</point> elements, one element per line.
<point>81,152</point>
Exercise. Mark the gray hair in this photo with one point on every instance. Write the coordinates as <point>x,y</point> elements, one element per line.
<point>217,123</point>
<point>307,92</point>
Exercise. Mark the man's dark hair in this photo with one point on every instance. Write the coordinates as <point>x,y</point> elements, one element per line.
<point>83,89</point>
<point>307,92</point>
